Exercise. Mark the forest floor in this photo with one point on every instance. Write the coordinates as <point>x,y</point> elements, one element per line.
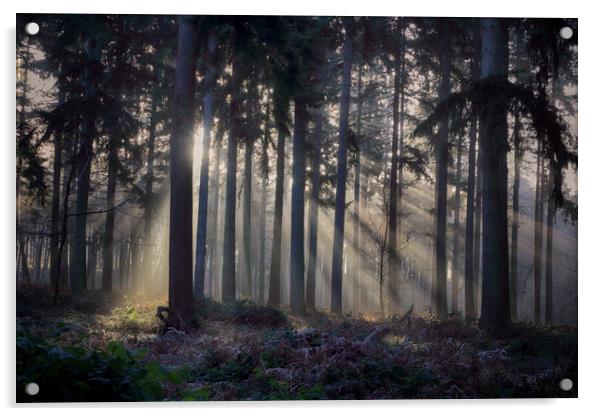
<point>113,348</point>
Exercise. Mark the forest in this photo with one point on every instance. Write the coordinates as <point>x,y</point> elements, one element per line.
<point>295,208</point>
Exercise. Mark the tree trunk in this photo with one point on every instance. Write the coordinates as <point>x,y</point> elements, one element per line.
<point>109,235</point>
<point>263,208</point>
<point>478,232</point>
<point>455,277</point>
<point>38,257</point>
<point>356,269</point>
<point>55,271</point>
<point>123,250</point>
<point>392,255</point>
<point>274,291</point>
<point>400,162</point>
<point>229,256</point>
<point>216,185</point>
<point>297,253</point>
<point>201,234</point>
<point>314,205</point>
<point>469,259</point>
<point>24,271</point>
<point>515,219</point>
<point>441,178</point>
<point>77,272</point>
<point>538,237</point>
<point>180,214</point>
<point>68,176</point>
<point>247,188</point>
<point>149,207</point>
<point>469,293</point>
<point>92,259</point>
<point>549,299</point>
<point>495,306</point>
<point>339,215</point>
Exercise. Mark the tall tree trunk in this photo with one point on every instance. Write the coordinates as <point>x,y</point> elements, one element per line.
<point>216,185</point>
<point>339,214</point>
<point>68,176</point>
<point>469,293</point>
<point>314,205</point>
<point>455,277</point>
<point>356,268</point>
<point>441,178</point>
<point>274,291</point>
<point>180,204</point>
<point>247,188</point>
<point>263,208</point>
<point>297,253</point>
<point>77,272</point>
<point>392,255</point>
<point>109,234</point>
<point>201,234</point>
<point>549,282</point>
<point>55,271</point>
<point>515,219</point>
<point>400,162</point>
<point>469,248</point>
<point>24,271</point>
<point>495,306</point>
<point>478,232</point>
<point>149,207</point>
<point>229,256</point>
<point>538,237</point>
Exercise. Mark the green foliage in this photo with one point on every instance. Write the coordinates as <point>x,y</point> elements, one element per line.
<point>74,374</point>
<point>133,318</point>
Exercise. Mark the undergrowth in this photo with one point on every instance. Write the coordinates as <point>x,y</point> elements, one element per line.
<point>114,349</point>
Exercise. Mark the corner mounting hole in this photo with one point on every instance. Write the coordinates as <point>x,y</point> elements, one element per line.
<point>566,32</point>
<point>32,389</point>
<point>32,28</point>
<point>566,384</point>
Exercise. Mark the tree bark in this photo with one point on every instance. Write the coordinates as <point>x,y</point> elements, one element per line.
<point>549,282</point>
<point>538,237</point>
<point>469,248</point>
<point>297,253</point>
<point>229,256</point>
<point>274,290</point>
<point>201,236</point>
<point>216,185</point>
<point>469,293</point>
<point>108,243</point>
<point>314,205</point>
<point>85,156</point>
<point>356,269</point>
<point>495,306</point>
<point>180,214</point>
<point>441,178</point>
<point>339,216</point>
<point>478,232</point>
<point>149,208</point>
<point>55,271</point>
<point>263,208</point>
<point>392,255</point>
<point>515,219</point>
<point>455,277</point>
<point>247,184</point>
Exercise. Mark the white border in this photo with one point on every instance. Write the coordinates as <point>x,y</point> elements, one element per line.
<point>590,152</point>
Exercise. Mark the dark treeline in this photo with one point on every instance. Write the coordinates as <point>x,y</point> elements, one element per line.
<point>364,165</point>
